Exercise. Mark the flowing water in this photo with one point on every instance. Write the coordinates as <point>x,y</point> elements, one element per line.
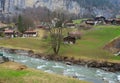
<point>82,73</point>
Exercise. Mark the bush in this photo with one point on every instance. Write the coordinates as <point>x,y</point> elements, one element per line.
<point>2,34</point>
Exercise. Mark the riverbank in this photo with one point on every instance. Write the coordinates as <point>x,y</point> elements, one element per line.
<point>12,72</point>
<point>104,65</point>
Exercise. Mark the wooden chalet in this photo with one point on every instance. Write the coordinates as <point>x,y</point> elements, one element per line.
<point>70,25</point>
<point>30,33</point>
<point>10,33</point>
<point>99,18</point>
<point>69,40</point>
<point>116,21</point>
<point>90,22</point>
<point>109,21</point>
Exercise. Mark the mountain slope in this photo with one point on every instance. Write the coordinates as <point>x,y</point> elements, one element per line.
<point>82,8</point>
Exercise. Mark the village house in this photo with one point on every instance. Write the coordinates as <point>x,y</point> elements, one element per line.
<point>9,33</point>
<point>96,20</point>
<point>116,21</point>
<point>70,25</point>
<point>90,22</point>
<point>30,33</point>
<point>109,21</point>
<point>99,18</point>
<point>69,40</point>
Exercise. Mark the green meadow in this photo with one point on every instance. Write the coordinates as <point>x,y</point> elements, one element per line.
<point>90,46</point>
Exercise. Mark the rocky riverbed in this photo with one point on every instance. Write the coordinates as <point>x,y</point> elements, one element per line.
<point>104,65</point>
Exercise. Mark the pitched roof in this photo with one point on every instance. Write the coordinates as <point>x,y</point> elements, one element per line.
<point>30,32</point>
<point>8,31</point>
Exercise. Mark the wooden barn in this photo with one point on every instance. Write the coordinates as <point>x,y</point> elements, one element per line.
<point>10,33</point>
<point>30,34</point>
<point>90,22</point>
<point>70,25</point>
<point>116,21</point>
<point>69,40</point>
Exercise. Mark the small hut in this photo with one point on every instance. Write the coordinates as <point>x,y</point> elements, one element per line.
<point>69,40</point>
<point>90,22</point>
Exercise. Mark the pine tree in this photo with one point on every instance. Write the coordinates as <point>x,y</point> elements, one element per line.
<point>20,24</point>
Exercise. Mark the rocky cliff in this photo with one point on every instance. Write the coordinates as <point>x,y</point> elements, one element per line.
<point>82,8</point>
<point>79,7</point>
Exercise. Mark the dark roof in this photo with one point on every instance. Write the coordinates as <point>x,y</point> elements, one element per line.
<point>70,24</point>
<point>30,32</point>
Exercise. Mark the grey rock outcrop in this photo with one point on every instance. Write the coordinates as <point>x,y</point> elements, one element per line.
<point>82,8</point>
<point>3,59</point>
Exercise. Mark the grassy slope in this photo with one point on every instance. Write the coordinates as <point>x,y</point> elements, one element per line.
<point>92,42</point>
<point>90,46</point>
<point>8,74</point>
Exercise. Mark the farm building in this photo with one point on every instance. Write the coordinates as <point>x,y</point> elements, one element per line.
<point>30,34</point>
<point>69,40</point>
<point>10,33</point>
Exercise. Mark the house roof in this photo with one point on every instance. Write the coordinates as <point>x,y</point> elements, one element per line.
<point>8,31</point>
<point>30,32</point>
<point>117,19</point>
<point>70,24</point>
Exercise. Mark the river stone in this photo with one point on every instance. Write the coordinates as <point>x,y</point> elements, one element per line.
<point>3,59</point>
<point>12,51</point>
<point>118,78</point>
<point>68,63</point>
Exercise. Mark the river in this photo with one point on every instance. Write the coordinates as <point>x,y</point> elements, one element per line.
<point>82,73</point>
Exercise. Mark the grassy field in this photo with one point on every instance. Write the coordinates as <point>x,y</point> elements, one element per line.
<point>10,74</point>
<point>89,47</point>
<point>92,43</point>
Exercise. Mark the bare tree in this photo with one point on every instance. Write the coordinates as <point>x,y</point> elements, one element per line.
<point>56,35</point>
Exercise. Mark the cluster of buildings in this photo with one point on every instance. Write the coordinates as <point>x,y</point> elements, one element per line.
<point>12,33</point>
<point>102,20</point>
